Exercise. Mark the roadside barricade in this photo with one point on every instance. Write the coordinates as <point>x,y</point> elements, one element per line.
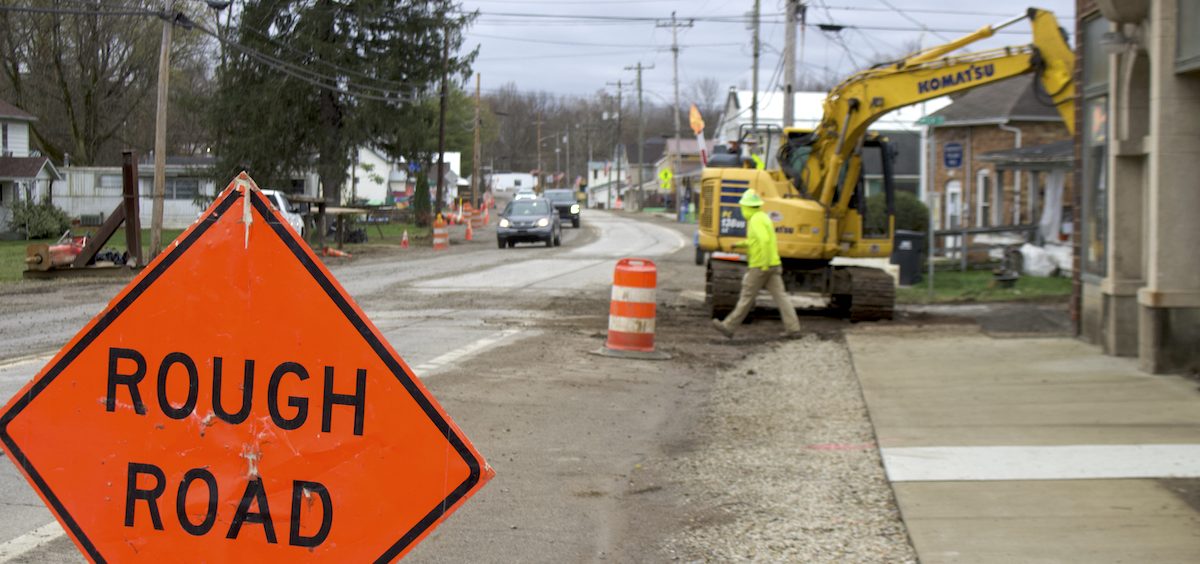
<point>441,234</point>
<point>631,313</point>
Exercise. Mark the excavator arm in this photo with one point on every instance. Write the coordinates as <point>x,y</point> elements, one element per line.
<point>860,100</point>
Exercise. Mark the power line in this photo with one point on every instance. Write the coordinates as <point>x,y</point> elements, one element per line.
<point>582,44</point>
<point>911,19</point>
<point>310,57</point>
<point>309,77</point>
<point>81,12</point>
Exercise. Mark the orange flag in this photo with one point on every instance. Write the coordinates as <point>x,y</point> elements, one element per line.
<point>696,121</point>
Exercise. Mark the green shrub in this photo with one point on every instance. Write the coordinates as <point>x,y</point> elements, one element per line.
<point>422,214</point>
<point>40,221</point>
<point>911,213</point>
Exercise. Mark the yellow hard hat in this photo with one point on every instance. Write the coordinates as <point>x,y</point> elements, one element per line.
<point>750,199</point>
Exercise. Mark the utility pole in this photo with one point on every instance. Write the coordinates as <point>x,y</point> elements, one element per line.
<point>538,185</point>
<point>567,139</point>
<point>620,88</point>
<point>789,64</point>
<point>441,166</point>
<point>754,93</point>
<point>160,135</point>
<point>477,148</point>
<point>641,138</point>
<point>675,25</point>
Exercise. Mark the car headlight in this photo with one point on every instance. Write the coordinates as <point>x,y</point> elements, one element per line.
<point>574,208</point>
<point>503,222</point>
<point>543,222</point>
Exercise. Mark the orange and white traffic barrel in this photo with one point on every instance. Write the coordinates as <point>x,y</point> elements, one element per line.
<point>631,312</point>
<point>441,234</point>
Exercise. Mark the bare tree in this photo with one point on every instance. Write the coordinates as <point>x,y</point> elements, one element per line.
<point>709,98</point>
<point>88,78</point>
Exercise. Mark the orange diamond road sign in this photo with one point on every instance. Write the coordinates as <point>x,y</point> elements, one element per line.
<point>233,403</point>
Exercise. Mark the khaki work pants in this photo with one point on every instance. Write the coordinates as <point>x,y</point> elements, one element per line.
<point>753,281</point>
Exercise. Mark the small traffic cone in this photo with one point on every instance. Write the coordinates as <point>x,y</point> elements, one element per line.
<point>404,240</point>
<point>486,217</point>
<point>332,252</point>
<point>470,232</point>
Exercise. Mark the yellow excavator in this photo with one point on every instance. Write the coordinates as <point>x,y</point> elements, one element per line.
<point>813,188</point>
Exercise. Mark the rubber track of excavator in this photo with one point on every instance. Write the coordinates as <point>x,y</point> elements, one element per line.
<point>873,294</point>
<point>723,286</point>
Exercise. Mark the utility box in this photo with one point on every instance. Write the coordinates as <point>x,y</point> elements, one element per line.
<point>907,248</point>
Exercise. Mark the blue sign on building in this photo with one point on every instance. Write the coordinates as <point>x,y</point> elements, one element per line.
<point>952,155</point>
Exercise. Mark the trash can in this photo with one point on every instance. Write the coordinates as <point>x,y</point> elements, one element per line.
<point>907,247</point>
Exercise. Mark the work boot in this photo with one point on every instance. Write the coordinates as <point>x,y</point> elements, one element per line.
<point>792,334</point>
<point>722,328</point>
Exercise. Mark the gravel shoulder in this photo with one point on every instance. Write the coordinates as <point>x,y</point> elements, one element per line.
<point>786,468</point>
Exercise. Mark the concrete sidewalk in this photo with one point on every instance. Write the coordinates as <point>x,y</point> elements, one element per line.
<point>1032,450</point>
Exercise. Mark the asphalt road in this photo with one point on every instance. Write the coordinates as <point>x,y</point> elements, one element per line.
<point>441,312</point>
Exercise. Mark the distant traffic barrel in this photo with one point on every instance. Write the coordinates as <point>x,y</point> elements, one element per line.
<point>631,313</point>
<point>441,234</point>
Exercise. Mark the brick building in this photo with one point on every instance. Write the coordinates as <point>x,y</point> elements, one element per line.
<point>971,190</point>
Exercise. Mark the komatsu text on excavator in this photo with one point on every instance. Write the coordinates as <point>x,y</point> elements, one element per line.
<point>813,188</point>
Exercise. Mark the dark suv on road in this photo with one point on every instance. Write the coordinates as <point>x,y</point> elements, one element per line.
<point>567,205</point>
<point>529,221</point>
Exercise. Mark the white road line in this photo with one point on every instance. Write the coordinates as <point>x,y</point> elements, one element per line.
<point>431,367</point>
<point>40,358</point>
<point>1067,462</point>
<point>22,545</point>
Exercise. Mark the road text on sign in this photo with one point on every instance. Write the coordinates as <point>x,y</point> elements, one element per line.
<point>233,403</point>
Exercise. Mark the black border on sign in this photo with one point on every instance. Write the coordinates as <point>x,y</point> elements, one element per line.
<point>106,319</point>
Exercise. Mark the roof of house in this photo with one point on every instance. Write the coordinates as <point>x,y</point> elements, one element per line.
<point>25,168</point>
<point>9,111</point>
<point>688,145</point>
<point>1058,152</point>
<point>1015,99</point>
<point>652,150</point>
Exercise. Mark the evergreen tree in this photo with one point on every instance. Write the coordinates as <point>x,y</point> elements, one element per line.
<point>308,82</point>
<point>420,203</point>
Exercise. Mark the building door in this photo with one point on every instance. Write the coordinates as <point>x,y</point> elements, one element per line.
<point>953,217</point>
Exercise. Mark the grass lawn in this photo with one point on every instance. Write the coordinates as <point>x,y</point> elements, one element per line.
<point>392,233</point>
<point>12,253</point>
<point>976,286</point>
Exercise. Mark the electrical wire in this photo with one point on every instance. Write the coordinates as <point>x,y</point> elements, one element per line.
<point>81,12</point>
<point>911,19</point>
<point>313,78</point>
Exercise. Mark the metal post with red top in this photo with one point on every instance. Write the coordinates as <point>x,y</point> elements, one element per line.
<point>631,313</point>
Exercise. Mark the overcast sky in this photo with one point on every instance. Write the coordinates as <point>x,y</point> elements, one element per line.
<point>578,52</point>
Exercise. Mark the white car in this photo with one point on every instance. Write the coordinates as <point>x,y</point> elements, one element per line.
<point>526,194</point>
<point>289,211</point>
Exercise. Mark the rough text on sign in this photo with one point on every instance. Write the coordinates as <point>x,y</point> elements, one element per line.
<point>127,368</point>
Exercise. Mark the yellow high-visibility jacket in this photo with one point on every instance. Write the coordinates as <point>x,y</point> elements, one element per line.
<point>762,251</point>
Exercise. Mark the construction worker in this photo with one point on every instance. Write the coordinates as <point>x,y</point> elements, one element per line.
<point>763,269</point>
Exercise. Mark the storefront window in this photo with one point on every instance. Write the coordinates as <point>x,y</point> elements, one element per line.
<point>1095,182</point>
<point>1094,230</point>
<point>1187,56</point>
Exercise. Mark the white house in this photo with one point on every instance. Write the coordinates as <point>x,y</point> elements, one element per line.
<point>369,177</point>
<point>606,183</point>
<point>373,175</point>
<point>511,181</point>
<point>25,175</point>
<point>96,191</point>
